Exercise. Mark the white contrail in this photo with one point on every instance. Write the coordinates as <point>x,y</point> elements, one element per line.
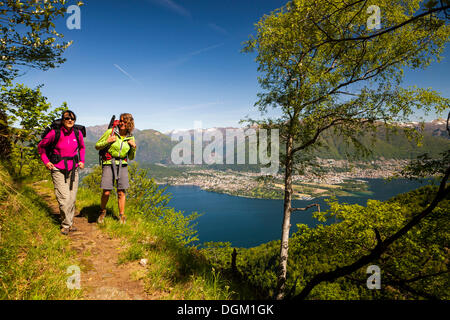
<point>127,74</point>
<point>205,49</point>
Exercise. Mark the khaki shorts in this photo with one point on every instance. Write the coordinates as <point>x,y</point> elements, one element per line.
<point>108,179</point>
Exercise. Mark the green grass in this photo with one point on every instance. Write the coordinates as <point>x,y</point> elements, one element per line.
<point>34,256</point>
<point>173,271</point>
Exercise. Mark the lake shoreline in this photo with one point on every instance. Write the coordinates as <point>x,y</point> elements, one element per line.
<point>324,188</point>
<point>248,222</point>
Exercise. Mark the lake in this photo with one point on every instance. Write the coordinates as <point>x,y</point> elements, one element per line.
<point>247,222</point>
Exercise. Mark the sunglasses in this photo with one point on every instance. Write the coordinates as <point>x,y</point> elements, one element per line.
<point>67,119</point>
<point>123,121</point>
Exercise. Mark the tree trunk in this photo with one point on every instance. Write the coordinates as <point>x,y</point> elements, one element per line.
<point>21,161</point>
<point>233,262</point>
<point>5,143</point>
<point>286,220</point>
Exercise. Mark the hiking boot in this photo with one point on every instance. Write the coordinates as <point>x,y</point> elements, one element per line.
<point>123,219</point>
<point>101,218</point>
<point>65,231</point>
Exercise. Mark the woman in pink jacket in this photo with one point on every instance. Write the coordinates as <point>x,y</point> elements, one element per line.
<point>63,162</point>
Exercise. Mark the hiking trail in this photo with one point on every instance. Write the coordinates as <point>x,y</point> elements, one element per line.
<point>102,277</point>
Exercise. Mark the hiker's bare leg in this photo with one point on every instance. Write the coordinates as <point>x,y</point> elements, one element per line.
<point>121,199</point>
<point>105,197</point>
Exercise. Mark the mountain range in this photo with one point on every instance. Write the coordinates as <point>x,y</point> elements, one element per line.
<point>155,147</point>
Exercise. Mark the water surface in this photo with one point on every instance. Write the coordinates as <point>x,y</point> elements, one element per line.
<point>247,222</point>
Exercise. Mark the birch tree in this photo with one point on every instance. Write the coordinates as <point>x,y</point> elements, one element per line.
<point>317,83</point>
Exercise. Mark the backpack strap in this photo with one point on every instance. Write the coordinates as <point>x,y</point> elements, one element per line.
<point>51,147</point>
<point>77,134</point>
<point>76,158</point>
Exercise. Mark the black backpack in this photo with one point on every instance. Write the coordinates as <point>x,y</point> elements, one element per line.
<point>56,125</point>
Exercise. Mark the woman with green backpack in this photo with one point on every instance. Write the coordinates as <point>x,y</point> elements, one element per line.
<point>118,146</point>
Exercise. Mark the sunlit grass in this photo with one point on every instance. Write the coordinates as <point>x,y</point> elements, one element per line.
<point>34,256</point>
<point>173,271</point>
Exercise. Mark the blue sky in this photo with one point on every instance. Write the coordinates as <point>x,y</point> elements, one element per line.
<point>170,63</point>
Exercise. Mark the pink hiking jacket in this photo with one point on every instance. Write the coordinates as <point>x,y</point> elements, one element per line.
<point>66,147</point>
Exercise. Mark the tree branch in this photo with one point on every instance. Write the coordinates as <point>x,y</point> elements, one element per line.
<point>365,38</point>
<point>398,284</point>
<point>377,235</point>
<point>380,248</point>
<point>391,28</point>
<point>307,207</point>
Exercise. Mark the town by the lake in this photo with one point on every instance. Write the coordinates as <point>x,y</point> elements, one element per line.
<point>334,177</point>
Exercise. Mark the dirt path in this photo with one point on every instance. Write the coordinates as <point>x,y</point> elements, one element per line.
<point>102,278</point>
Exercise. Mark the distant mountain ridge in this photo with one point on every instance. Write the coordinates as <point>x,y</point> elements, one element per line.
<point>437,128</point>
<point>155,147</point>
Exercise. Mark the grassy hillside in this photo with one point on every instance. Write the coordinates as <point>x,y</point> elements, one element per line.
<point>393,147</point>
<point>34,256</point>
<point>91,155</point>
<point>159,171</point>
<point>163,236</point>
<point>154,147</point>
